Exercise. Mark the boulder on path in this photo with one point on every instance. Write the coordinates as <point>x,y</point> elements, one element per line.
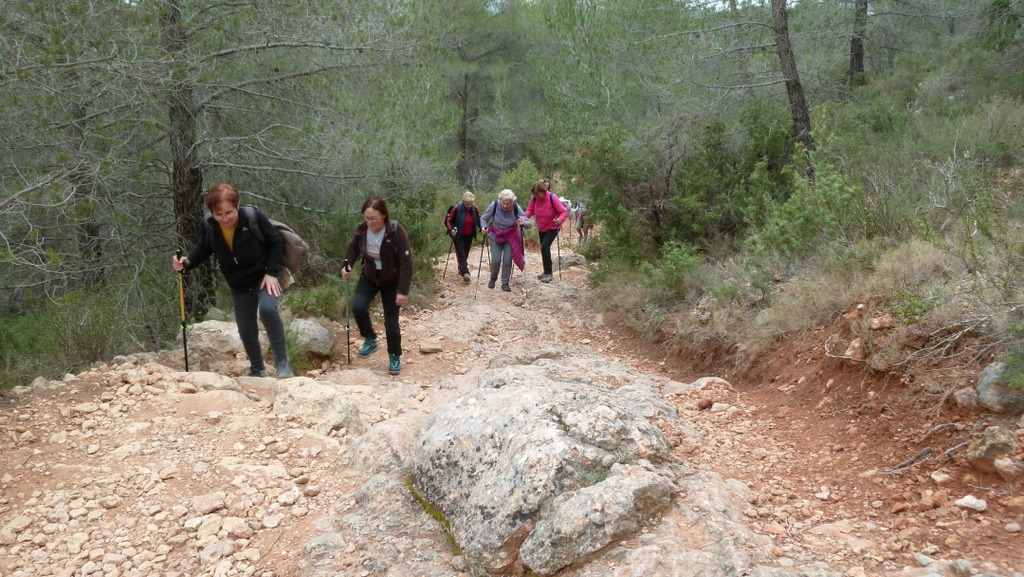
<point>503,460</point>
<point>326,407</point>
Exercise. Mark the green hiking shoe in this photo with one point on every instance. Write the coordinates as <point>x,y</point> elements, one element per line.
<point>395,364</point>
<point>369,345</point>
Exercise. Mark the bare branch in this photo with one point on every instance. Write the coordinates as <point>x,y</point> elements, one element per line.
<point>265,168</point>
<point>41,184</point>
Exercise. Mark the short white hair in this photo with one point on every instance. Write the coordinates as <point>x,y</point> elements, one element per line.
<point>468,196</point>
<point>507,194</point>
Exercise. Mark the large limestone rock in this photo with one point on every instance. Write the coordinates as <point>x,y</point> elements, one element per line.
<point>214,337</point>
<point>993,443</point>
<point>996,395</point>
<point>312,337</point>
<point>495,460</point>
<point>326,407</point>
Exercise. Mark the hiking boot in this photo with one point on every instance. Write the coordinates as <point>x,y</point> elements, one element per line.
<point>257,372</point>
<point>466,277</point>
<point>394,364</point>
<point>547,278</point>
<point>506,288</point>
<point>283,369</point>
<point>542,275</point>
<point>490,283</point>
<point>369,345</point>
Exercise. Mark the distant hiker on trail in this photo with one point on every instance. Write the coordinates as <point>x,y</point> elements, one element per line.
<point>550,213</point>
<point>252,270</point>
<point>501,222</point>
<point>463,222</point>
<point>387,268</point>
<point>584,224</point>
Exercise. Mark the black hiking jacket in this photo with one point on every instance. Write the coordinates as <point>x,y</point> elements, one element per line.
<point>244,267</point>
<point>395,256</point>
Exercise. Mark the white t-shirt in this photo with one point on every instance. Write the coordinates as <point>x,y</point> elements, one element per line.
<point>373,241</point>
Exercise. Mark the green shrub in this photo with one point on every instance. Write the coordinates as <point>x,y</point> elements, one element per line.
<point>1013,374</point>
<point>812,218</point>
<point>67,334</point>
<point>324,300</point>
<point>667,279</point>
<point>519,180</point>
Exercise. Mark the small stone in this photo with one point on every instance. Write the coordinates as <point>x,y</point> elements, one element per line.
<point>20,523</point>
<point>1011,528</point>
<point>923,560</point>
<point>971,502</point>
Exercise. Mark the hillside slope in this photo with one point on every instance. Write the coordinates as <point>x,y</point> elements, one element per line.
<point>134,469</point>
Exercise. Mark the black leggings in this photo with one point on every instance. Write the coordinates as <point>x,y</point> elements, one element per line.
<point>365,292</point>
<point>546,238</point>
<point>463,244</point>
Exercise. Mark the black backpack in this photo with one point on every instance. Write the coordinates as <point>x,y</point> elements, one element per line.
<point>447,217</point>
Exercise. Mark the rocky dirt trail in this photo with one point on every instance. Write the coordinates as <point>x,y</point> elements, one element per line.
<point>136,468</point>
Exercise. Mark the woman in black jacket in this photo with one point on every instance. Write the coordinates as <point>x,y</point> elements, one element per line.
<point>387,268</point>
<point>252,270</point>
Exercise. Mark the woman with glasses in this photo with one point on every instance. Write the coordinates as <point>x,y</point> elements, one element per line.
<point>252,270</point>
<point>387,268</point>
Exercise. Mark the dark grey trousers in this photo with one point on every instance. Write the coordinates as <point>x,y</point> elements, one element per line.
<point>247,306</point>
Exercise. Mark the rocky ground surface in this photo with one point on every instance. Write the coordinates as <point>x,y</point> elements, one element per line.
<point>136,468</point>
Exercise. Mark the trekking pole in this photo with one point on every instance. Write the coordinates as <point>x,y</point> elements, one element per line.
<point>348,324</point>
<point>451,244</point>
<point>522,241</point>
<point>181,302</point>
<point>570,227</point>
<point>558,246</point>
<point>480,265</point>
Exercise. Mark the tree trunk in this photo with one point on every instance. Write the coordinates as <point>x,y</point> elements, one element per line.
<point>462,138</point>
<point>186,175</point>
<point>794,90</point>
<point>85,183</point>
<point>860,24</point>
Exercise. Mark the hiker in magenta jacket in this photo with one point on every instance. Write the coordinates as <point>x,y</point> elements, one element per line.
<point>387,268</point>
<point>550,213</point>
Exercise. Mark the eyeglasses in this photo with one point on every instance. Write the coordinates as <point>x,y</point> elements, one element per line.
<point>225,215</point>
<point>371,218</point>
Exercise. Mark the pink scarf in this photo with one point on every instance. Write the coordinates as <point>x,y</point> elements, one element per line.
<point>515,240</point>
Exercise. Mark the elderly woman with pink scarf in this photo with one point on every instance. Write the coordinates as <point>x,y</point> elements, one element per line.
<point>501,222</point>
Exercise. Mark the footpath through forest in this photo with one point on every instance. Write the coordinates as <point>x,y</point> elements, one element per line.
<point>135,468</point>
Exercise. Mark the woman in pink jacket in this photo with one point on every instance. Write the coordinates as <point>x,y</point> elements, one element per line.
<point>549,213</point>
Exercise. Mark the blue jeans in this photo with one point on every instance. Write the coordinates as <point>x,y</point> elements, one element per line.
<point>247,306</point>
<point>546,238</point>
<point>364,295</point>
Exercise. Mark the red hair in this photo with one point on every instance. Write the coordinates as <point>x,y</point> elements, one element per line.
<point>220,193</point>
